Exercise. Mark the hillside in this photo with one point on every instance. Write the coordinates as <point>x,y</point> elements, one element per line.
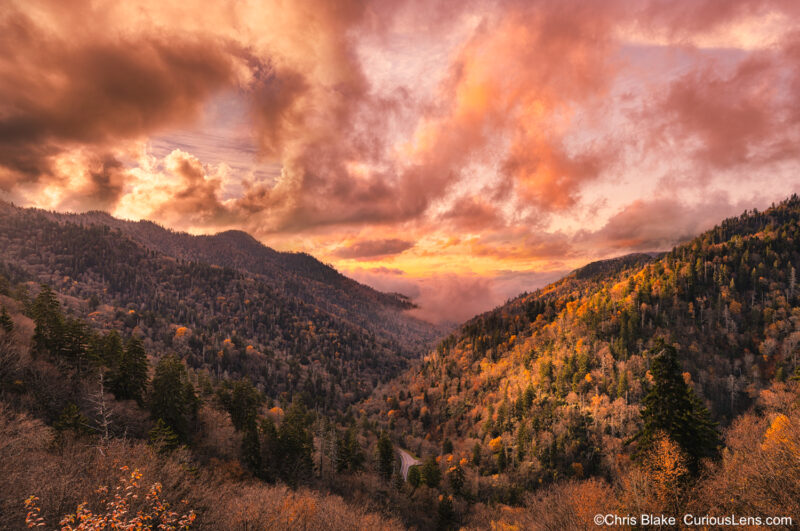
<point>297,274</point>
<point>225,303</point>
<point>550,385</point>
<point>532,416</point>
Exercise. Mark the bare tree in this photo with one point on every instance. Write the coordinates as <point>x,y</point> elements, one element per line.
<point>100,404</point>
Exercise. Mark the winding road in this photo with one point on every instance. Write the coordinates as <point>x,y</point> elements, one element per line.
<point>407,461</point>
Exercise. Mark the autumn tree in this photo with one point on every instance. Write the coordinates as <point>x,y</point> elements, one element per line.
<point>126,506</point>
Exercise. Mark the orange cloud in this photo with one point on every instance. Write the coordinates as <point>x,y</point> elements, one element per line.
<point>373,248</point>
<point>531,136</point>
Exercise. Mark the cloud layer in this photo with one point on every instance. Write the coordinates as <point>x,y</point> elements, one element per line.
<point>475,147</point>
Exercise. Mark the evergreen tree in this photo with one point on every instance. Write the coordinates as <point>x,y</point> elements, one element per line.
<point>241,400</point>
<point>172,397</point>
<point>294,446</point>
<point>49,322</point>
<point>251,448</point>
<point>456,478</point>
<point>162,437</point>
<point>385,455</point>
<point>74,343</point>
<point>128,379</point>
<point>5,321</point>
<point>447,447</point>
<point>414,476</point>
<point>348,452</point>
<point>476,454</point>
<point>446,516</point>
<point>430,474</point>
<point>671,407</point>
<point>269,449</point>
<point>108,350</point>
<point>71,420</point>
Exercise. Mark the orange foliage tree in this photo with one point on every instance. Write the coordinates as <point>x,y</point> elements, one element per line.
<point>126,509</point>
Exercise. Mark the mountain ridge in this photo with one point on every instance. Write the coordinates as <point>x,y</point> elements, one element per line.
<point>297,272</point>
<point>289,332</point>
<point>550,384</point>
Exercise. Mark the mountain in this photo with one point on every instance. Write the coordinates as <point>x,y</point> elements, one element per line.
<point>225,302</point>
<point>551,384</point>
<point>594,395</point>
<point>300,274</point>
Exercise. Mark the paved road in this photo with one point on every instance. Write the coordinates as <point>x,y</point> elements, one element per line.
<point>407,462</point>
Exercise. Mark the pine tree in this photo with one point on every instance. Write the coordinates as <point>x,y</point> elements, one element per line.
<point>430,474</point>
<point>414,476</point>
<point>294,447</point>
<point>71,419</point>
<point>671,407</point>
<point>348,452</point>
<point>241,400</point>
<point>269,449</point>
<point>251,448</point>
<point>5,321</point>
<point>476,454</point>
<point>445,514</point>
<point>385,455</point>
<point>48,320</point>
<point>172,397</point>
<point>456,478</point>
<point>129,378</point>
<point>162,437</point>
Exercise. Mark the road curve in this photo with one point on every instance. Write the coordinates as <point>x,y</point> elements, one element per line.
<point>407,461</point>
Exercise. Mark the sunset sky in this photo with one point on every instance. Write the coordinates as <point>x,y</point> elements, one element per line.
<point>459,152</point>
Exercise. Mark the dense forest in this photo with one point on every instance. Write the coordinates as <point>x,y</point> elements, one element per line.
<point>664,383</point>
<point>261,322</point>
<point>554,385</point>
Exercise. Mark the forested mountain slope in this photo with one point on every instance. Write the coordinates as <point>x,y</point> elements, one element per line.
<point>550,385</point>
<point>224,302</point>
<point>297,274</point>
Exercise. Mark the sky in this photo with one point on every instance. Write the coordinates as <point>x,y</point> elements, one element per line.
<point>459,152</point>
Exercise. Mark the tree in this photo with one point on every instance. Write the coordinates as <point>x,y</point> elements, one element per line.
<point>455,476</point>
<point>131,507</point>
<point>162,437</point>
<point>129,378</point>
<point>5,321</point>
<point>269,449</point>
<point>348,452</point>
<point>172,397</point>
<point>385,455</point>
<point>251,448</point>
<point>430,474</point>
<point>665,467</point>
<point>672,408</point>
<point>294,447</point>
<point>48,320</point>
<point>74,343</point>
<point>447,447</point>
<point>476,454</point>
<point>414,476</point>
<point>241,400</point>
<point>71,420</point>
<point>445,514</point>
